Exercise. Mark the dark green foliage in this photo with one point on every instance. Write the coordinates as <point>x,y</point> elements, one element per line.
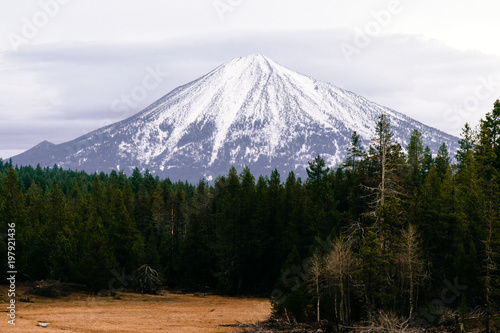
<point>492,125</point>
<point>428,161</point>
<point>373,272</point>
<point>289,297</point>
<point>416,160</point>
<point>248,235</point>
<point>355,153</point>
<point>442,161</point>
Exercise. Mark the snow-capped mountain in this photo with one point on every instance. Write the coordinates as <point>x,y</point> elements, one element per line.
<point>250,111</point>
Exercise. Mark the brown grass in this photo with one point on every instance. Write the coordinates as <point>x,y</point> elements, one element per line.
<point>129,312</point>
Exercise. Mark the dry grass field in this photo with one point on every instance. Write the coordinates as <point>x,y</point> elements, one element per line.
<point>129,312</point>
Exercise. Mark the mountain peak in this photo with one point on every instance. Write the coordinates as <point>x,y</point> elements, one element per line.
<point>254,58</point>
<point>255,64</point>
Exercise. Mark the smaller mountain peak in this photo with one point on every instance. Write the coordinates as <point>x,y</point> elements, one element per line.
<point>40,149</point>
<point>44,144</point>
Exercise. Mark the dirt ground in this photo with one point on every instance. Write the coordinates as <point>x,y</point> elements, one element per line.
<point>129,312</point>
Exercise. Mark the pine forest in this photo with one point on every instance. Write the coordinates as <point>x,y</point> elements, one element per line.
<point>404,230</point>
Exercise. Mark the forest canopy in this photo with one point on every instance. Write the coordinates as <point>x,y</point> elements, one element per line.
<point>393,228</point>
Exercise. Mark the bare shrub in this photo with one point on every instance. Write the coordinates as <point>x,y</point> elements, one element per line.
<point>148,279</point>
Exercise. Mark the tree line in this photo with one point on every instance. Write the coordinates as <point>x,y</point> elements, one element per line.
<point>392,228</point>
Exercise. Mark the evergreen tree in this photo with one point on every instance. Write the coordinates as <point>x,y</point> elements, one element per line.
<point>492,124</point>
<point>177,226</point>
<point>442,160</point>
<point>136,180</point>
<point>142,208</point>
<point>227,214</point>
<point>245,233</point>
<point>470,224</point>
<point>98,199</point>
<point>485,156</point>
<point>32,236</point>
<point>12,207</point>
<point>465,153</point>
<point>273,237</point>
<point>57,218</point>
<point>428,161</point>
<point>11,211</point>
<point>197,257</point>
<point>97,259</point>
<point>415,158</point>
<point>294,212</point>
<point>373,272</point>
<point>320,199</point>
<point>355,153</point>
<point>289,297</point>
<point>62,257</point>
<point>316,173</point>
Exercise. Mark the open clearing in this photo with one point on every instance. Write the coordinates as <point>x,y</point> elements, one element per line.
<point>129,312</point>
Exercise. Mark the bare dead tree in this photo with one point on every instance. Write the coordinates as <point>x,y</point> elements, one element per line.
<point>410,263</point>
<point>316,269</point>
<point>340,266</point>
<point>383,154</point>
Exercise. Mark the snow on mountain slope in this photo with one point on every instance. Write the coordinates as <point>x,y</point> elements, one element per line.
<point>250,111</point>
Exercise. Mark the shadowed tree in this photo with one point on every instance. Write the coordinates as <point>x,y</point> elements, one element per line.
<point>97,259</point>
<point>442,160</point>
<point>227,215</point>
<point>415,160</point>
<point>492,123</point>
<point>485,156</point>
<point>373,272</point>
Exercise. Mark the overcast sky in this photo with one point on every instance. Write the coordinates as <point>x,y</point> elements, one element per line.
<point>70,66</point>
